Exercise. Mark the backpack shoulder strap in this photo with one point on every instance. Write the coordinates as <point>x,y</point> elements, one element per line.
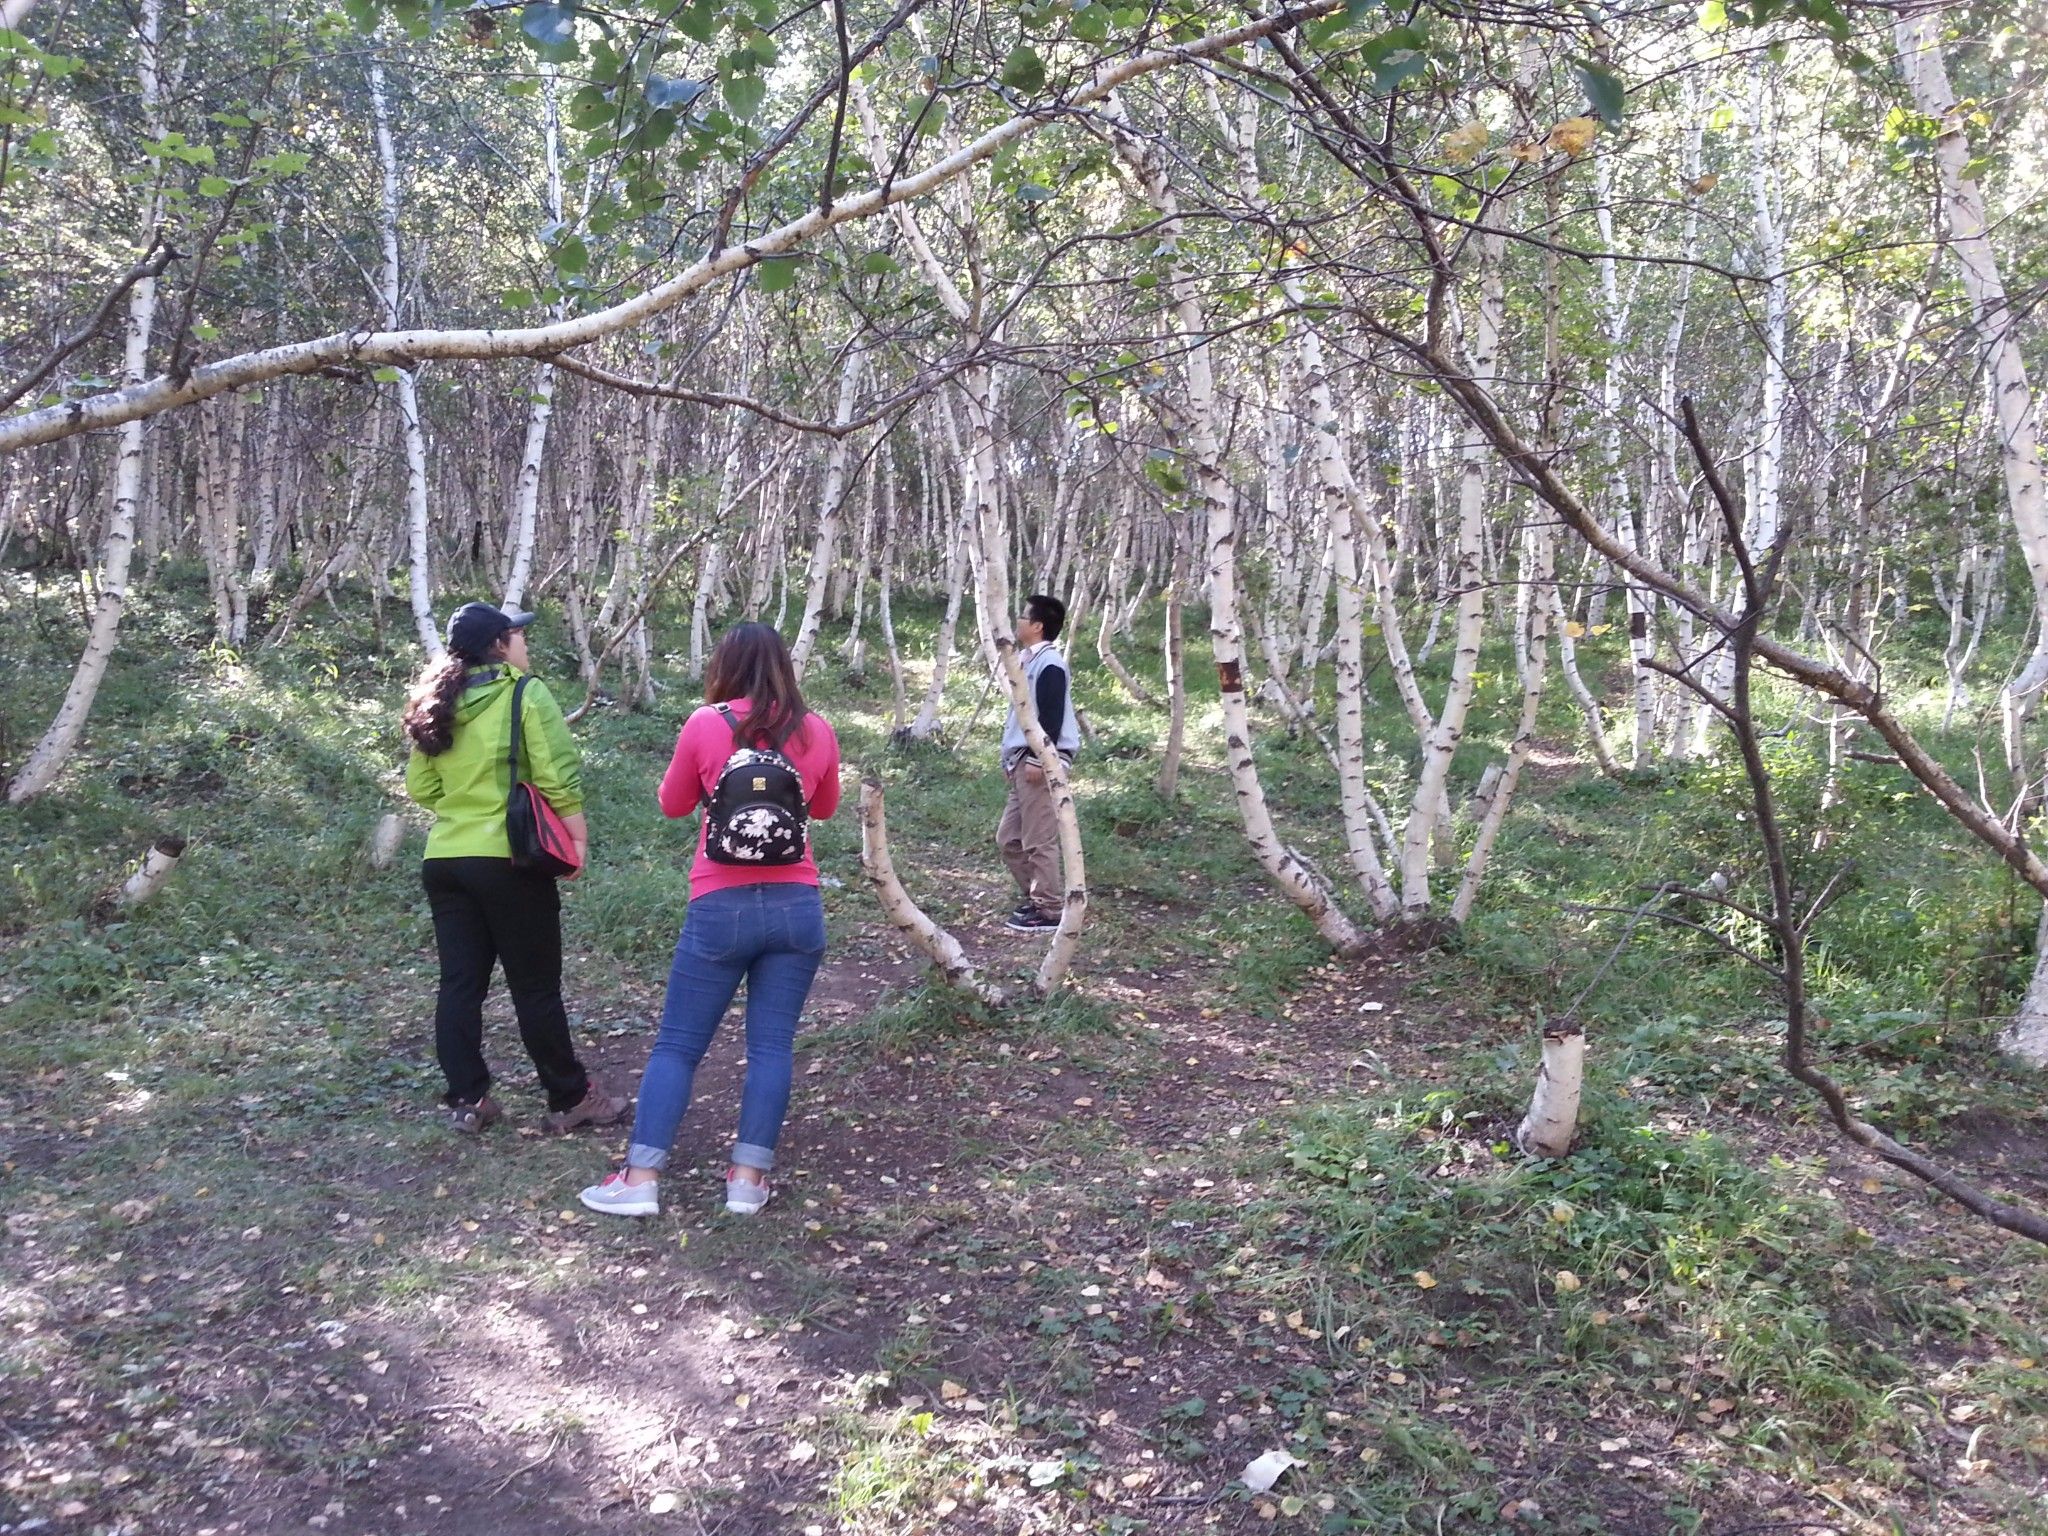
<point>518,700</point>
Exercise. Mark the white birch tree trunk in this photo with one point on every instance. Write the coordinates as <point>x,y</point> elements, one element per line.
<point>884,617</point>
<point>1345,512</point>
<point>1441,745</point>
<point>1918,38</point>
<point>831,500</point>
<point>406,385</point>
<point>1287,869</point>
<point>46,760</point>
<point>1767,481</point>
<point>1174,655</point>
<point>1917,34</point>
<point>1537,586</point>
<point>540,408</point>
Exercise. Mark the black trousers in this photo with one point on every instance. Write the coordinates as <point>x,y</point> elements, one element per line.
<point>486,912</point>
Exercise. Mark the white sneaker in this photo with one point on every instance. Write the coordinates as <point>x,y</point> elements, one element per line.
<point>616,1197</point>
<point>743,1197</point>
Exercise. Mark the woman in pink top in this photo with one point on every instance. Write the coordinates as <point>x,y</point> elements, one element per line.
<point>761,924</point>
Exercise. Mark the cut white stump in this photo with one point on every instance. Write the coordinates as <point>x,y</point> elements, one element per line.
<point>156,868</point>
<point>1553,1118</point>
<point>948,960</point>
<point>385,838</point>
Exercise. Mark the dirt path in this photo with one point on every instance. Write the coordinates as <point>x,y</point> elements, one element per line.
<point>1007,1267</point>
<point>952,1234</point>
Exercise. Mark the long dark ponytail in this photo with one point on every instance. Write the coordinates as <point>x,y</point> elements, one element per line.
<point>429,717</point>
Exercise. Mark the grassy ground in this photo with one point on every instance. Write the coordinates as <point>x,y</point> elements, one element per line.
<point>1065,1269</point>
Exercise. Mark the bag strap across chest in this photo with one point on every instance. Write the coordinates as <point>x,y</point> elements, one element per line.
<point>518,698</point>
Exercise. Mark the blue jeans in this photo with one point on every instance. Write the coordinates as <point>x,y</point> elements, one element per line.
<point>773,938</point>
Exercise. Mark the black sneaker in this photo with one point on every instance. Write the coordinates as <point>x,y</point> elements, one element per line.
<point>1031,920</point>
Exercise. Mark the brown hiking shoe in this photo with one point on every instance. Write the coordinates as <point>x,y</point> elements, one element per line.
<point>598,1107</point>
<point>472,1118</point>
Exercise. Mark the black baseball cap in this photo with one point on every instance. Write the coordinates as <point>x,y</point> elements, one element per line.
<point>475,627</point>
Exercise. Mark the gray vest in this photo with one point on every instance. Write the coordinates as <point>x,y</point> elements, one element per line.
<point>1066,736</point>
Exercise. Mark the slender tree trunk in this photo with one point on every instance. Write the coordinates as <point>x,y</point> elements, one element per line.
<point>1441,746</point>
<point>46,760</point>
<point>1287,869</point>
<point>1917,34</point>
<point>855,651</point>
<point>883,616</point>
<point>830,503</point>
<point>540,407</point>
<point>1537,579</point>
<point>405,385</point>
<point>1174,655</point>
<point>1345,512</point>
<point>1119,571</point>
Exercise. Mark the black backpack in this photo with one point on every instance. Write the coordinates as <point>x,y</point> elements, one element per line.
<point>757,814</point>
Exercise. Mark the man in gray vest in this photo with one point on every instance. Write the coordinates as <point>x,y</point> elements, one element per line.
<point>1029,832</point>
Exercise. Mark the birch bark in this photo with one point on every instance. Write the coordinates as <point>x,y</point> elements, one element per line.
<point>1917,35</point>
<point>405,385</point>
<point>1441,745</point>
<point>831,500</point>
<point>46,760</point>
<point>540,407</point>
<point>1287,869</point>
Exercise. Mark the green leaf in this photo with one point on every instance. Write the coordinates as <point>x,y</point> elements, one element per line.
<point>589,110</point>
<point>1091,23</point>
<point>286,162</point>
<point>386,375</point>
<point>518,298</point>
<point>1604,90</point>
<point>777,273</point>
<point>1713,16</point>
<point>1024,70</point>
<point>361,12</point>
<point>214,186</point>
<point>1162,473</point>
<point>654,131</point>
<point>880,264</point>
<point>1395,55</point>
<point>744,94</point>
<point>571,256</point>
<point>699,23</point>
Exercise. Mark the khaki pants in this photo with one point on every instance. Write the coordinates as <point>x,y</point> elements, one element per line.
<point>1029,835</point>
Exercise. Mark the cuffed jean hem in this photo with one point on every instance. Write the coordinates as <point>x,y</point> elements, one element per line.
<point>746,1155</point>
<point>640,1155</point>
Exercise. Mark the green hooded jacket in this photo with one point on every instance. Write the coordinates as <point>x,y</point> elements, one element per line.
<point>467,786</point>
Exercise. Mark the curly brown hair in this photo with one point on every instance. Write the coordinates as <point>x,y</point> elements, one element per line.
<point>429,717</point>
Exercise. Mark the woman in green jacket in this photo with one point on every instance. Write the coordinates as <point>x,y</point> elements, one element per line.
<point>458,718</point>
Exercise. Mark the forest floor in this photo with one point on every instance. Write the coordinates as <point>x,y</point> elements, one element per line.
<point>1064,1269</point>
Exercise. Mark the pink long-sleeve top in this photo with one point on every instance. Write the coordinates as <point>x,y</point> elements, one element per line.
<point>704,746</point>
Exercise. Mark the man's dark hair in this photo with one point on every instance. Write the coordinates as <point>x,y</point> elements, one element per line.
<point>1047,610</point>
